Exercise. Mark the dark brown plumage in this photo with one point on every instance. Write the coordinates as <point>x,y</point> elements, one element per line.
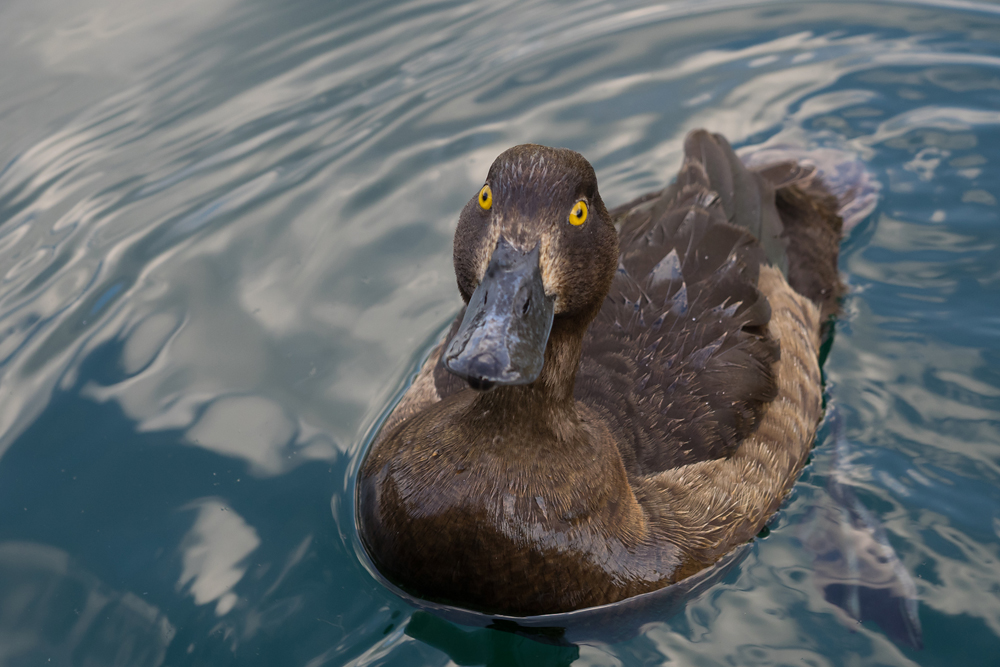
<point>678,398</point>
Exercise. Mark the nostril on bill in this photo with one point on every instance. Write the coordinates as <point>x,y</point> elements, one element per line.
<point>479,384</point>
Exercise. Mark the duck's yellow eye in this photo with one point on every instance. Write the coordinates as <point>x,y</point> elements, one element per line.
<point>578,215</point>
<point>486,197</point>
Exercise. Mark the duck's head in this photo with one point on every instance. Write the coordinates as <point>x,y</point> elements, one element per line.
<point>534,245</point>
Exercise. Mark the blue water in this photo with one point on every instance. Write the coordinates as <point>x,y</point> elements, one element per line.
<point>225,245</point>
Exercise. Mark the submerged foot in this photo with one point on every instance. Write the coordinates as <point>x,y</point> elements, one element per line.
<point>855,566</point>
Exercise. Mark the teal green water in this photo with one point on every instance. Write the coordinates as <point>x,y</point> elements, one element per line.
<point>225,244</point>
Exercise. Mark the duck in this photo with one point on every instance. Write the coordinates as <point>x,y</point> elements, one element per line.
<point>627,395</point>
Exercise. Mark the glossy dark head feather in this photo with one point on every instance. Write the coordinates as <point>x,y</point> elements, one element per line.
<point>534,189</point>
<point>531,178</point>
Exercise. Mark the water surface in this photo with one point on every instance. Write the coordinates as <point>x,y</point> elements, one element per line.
<point>225,245</point>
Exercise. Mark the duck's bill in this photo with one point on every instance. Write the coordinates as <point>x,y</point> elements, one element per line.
<point>506,327</point>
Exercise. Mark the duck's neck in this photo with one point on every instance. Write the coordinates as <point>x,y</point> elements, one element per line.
<point>549,399</point>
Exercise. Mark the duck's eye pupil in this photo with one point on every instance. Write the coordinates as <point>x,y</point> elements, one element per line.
<point>486,198</point>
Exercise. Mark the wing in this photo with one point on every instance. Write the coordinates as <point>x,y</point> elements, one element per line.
<point>680,361</point>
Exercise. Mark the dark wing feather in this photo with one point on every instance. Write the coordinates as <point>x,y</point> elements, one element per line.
<point>679,361</point>
<point>813,230</point>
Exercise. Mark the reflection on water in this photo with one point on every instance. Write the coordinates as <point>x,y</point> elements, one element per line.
<point>215,552</point>
<point>225,241</point>
<point>53,611</point>
<point>487,646</point>
<point>856,567</point>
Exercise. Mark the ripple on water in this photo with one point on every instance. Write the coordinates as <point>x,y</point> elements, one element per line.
<point>225,239</point>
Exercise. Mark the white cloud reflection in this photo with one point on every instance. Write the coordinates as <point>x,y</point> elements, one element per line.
<point>250,427</point>
<point>214,554</point>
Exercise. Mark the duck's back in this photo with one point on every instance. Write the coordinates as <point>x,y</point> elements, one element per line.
<point>682,360</point>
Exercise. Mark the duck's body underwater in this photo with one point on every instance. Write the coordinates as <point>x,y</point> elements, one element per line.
<point>615,409</point>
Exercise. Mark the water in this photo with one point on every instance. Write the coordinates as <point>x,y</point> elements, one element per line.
<point>225,244</point>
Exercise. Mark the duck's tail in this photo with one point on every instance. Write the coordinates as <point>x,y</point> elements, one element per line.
<point>786,206</point>
<point>841,172</point>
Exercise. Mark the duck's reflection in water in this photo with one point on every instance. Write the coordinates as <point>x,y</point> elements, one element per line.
<point>488,646</point>
<point>53,612</point>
